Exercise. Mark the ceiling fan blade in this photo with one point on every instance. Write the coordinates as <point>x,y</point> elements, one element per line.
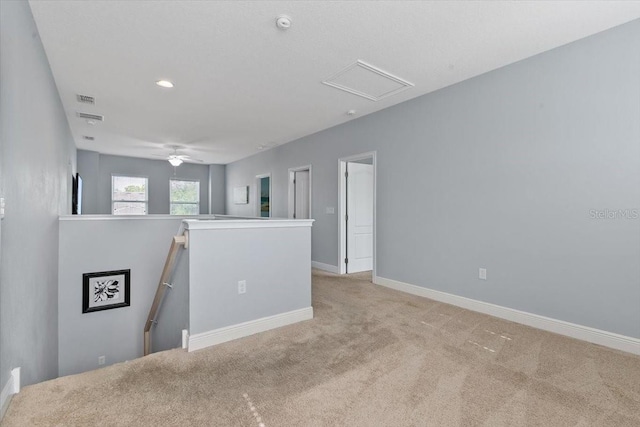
<point>188,158</point>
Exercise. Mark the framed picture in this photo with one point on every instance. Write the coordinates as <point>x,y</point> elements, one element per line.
<point>241,195</point>
<point>105,290</point>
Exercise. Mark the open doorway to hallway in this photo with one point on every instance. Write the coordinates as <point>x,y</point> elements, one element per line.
<point>300,192</point>
<point>263,195</point>
<point>357,223</point>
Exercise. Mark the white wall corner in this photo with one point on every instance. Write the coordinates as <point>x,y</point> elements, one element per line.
<point>325,267</point>
<point>10,388</point>
<point>241,330</point>
<point>15,374</point>
<point>185,338</point>
<point>584,333</point>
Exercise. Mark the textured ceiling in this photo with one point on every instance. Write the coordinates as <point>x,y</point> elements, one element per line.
<point>241,83</point>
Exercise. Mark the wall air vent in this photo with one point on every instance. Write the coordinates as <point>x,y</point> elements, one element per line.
<point>86,99</point>
<point>91,117</point>
<point>88,138</point>
<point>367,81</point>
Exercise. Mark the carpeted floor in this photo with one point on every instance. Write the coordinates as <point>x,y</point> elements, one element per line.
<point>370,357</point>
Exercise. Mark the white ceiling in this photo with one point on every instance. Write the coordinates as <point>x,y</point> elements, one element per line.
<point>241,83</point>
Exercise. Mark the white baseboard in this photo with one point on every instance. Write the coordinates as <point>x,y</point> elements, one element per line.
<point>325,267</point>
<point>10,388</point>
<point>584,333</point>
<point>218,336</point>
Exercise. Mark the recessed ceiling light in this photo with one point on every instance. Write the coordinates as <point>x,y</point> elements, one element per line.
<point>351,112</point>
<point>164,83</point>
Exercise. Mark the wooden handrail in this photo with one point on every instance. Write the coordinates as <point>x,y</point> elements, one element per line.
<point>167,271</point>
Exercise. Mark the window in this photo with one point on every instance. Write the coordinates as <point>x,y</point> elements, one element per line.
<point>129,195</point>
<point>184,197</point>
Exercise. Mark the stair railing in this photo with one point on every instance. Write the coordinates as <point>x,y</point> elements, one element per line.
<point>176,243</point>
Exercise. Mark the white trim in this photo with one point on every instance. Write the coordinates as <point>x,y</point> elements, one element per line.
<point>325,267</point>
<point>291,190</point>
<point>10,388</point>
<point>196,224</point>
<point>584,333</point>
<point>342,194</point>
<point>229,333</point>
<point>84,217</point>
<point>5,396</point>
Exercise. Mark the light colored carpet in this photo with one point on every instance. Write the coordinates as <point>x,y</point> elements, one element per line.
<point>371,357</point>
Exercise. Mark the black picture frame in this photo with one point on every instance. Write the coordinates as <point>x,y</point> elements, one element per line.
<point>74,195</point>
<point>99,292</point>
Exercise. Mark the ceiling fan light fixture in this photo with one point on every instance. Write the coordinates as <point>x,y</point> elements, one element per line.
<point>175,161</point>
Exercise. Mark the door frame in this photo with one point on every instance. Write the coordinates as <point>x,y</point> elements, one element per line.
<point>292,175</point>
<point>342,207</point>
<point>259,194</point>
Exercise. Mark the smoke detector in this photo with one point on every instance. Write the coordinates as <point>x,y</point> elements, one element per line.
<point>283,22</point>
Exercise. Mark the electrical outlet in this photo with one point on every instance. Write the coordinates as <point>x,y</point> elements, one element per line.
<point>242,286</point>
<point>331,211</point>
<point>1,207</point>
<point>101,360</point>
<point>482,274</point>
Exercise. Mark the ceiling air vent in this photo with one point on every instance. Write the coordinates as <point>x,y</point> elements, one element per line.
<point>88,138</point>
<point>91,116</point>
<point>367,81</point>
<point>86,99</point>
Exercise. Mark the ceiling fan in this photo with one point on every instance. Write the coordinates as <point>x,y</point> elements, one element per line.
<point>177,159</point>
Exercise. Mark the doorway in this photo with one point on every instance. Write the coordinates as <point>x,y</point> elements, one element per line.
<point>300,192</point>
<point>263,195</point>
<point>357,202</point>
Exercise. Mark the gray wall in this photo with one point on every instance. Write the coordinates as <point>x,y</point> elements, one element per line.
<point>89,168</point>
<point>38,158</point>
<point>275,262</point>
<point>96,170</point>
<point>91,244</point>
<point>217,189</point>
<point>500,171</point>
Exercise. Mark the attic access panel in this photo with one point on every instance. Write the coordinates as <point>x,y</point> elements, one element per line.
<point>367,81</point>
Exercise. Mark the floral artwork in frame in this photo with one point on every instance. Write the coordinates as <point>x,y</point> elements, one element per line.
<point>105,290</point>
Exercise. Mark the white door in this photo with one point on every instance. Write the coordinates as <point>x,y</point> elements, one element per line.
<point>301,194</point>
<point>359,217</point>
